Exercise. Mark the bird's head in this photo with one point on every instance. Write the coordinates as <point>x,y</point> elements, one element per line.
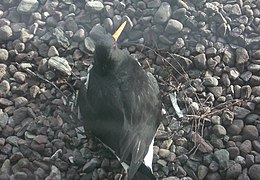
<point>106,51</point>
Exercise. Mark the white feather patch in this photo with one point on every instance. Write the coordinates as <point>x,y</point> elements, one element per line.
<point>148,159</point>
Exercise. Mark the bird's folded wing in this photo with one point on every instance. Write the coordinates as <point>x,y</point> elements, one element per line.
<point>142,111</point>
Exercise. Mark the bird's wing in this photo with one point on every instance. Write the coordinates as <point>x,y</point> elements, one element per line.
<point>142,109</point>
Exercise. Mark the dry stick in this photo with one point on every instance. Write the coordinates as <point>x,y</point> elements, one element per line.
<point>45,80</point>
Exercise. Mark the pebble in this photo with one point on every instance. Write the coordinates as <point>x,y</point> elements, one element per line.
<point>219,130</point>
<point>173,26</point>
<point>256,91</point>
<point>222,157</point>
<point>61,64</point>
<point>200,61</point>
<point>27,6</point>
<point>164,153</point>
<point>91,165</point>
<point>240,112</point>
<point>19,76</point>
<point>234,171</point>
<point>246,147</point>
<point>202,171</point>
<point>4,55</point>
<point>210,81</point>
<point>89,45</point>
<point>5,32</point>
<point>250,132</point>
<point>20,102</point>
<point>4,88</point>
<point>254,172</point>
<point>232,9</point>
<point>216,91</point>
<point>59,29</point>
<point>236,127</point>
<point>55,174</point>
<point>20,114</point>
<point>53,52</point>
<point>163,14</point>
<point>233,152</point>
<point>250,160</point>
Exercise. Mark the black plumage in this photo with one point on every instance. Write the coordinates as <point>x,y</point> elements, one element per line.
<point>121,105</point>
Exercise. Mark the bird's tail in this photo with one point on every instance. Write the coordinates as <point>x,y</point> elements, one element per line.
<point>144,173</point>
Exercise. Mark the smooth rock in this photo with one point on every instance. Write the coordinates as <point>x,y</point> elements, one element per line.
<point>173,26</point>
<point>254,172</point>
<point>250,132</point>
<point>27,6</point>
<point>163,14</point>
<point>222,157</point>
<point>245,147</point>
<point>4,54</point>
<point>61,64</point>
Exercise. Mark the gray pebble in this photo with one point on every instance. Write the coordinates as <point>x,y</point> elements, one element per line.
<point>109,11</point>
<point>228,57</point>
<point>89,44</point>
<point>219,130</point>
<point>5,32</point>
<point>213,166</point>
<point>250,132</point>
<point>173,26</point>
<point>60,37</point>
<point>254,80</point>
<point>256,145</point>
<point>233,74</point>
<point>95,6</point>
<point>234,171</point>
<point>20,102</point>
<point>210,81</point>
<point>246,75</point>
<point>202,171</point>
<point>61,64</point>
<point>241,56</point>
<point>20,114</point>
<point>216,91</point>
<point>240,112</point>
<point>233,152</point>
<point>163,14</point>
<point>251,118</point>
<point>53,52</point>
<point>19,76</point>
<point>254,172</point>
<point>222,157</point>
<point>55,174</point>
<point>4,55</point>
<point>25,36</point>
<point>91,165</point>
<point>71,24</point>
<point>27,6</point>
<point>246,91</point>
<point>232,9</point>
<point>200,61</point>
<point>4,88</point>
<point>108,24</point>
<point>254,68</point>
<point>245,147</point>
<point>79,35</point>
<point>164,153</point>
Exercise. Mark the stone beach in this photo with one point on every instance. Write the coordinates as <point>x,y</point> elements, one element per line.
<point>208,52</point>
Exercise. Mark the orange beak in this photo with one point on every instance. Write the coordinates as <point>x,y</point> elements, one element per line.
<point>119,31</point>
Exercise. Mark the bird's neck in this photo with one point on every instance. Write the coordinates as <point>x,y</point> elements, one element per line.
<point>109,63</point>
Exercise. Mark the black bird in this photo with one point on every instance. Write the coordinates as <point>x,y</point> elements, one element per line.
<point>121,106</point>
